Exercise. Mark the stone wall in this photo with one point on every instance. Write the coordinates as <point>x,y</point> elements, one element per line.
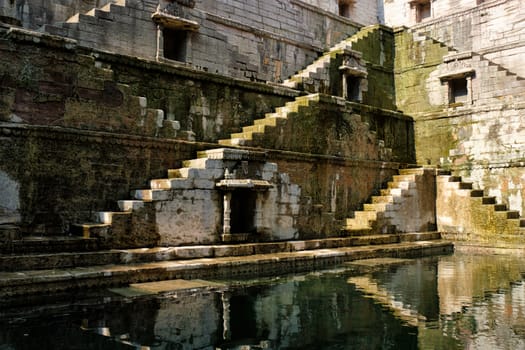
<point>264,40</point>
<point>404,12</point>
<point>365,12</point>
<point>494,29</point>
<point>79,134</point>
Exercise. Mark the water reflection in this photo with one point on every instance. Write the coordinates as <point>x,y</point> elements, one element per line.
<point>448,302</point>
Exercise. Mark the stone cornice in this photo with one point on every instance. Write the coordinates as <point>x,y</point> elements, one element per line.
<point>89,136</point>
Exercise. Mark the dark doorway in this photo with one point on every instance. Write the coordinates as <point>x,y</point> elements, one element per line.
<point>242,217</point>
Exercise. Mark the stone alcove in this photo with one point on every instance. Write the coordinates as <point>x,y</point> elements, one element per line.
<point>242,207</point>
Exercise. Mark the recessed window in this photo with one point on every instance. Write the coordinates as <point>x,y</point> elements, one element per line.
<point>423,10</point>
<point>353,88</point>
<point>345,8</point>
<point>458,91</point>
<point>175,44</point>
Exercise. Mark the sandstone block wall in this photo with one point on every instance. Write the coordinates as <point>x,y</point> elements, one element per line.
<point>404,12</point>
<point>494,29</point>
<point>77,138</point>
<point>263,40</point>
<point>479,137</point>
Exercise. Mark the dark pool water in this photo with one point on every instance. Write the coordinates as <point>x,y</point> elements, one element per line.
<point>458,301</point>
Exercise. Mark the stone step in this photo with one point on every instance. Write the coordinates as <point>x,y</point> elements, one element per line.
<point>202,163</point>
<point>152,195</point>
<point>353,224</point>
<point>379,206</point>
<point>488,200</point>
<point>460,185</point>
<point>172,183</point>
<point>513,214</point>
<point>412,171</point>
<point>383,199</point>
<point>90,230</point>
<point>500,207</point>
<point>48,244</point>
<point>391,191</point>
<point>476,193</point>
<point>404,178</point>
<point>109,217</point>
<point>81,250</point>
<point>130,205</point>
<point>274,120</point>
<point>405,185</point>
<point>196,173</point>
<point>295,258</point>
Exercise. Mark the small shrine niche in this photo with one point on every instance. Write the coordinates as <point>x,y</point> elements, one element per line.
<point>354,74</point>
<point>242,189</point>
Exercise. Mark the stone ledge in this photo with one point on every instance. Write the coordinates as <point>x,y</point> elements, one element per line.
<point>52,281</point>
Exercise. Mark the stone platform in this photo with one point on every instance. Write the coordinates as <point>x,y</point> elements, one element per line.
<point>55,272</point>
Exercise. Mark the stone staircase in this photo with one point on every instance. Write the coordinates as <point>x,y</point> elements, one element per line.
<point>465,211</point>
<point>270,131</point>
<point>513,85</point>
<point>316,76</point>
<point>90,17</point>
<point>252,134</point>
<point>399,208</point>
<point>196,174</point>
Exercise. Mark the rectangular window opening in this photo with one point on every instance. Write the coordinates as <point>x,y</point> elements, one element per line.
<point>344,10</point>
<point>423,11</point>
<point>458,91</point>
<point>175,42</point>
<point>353,88</point>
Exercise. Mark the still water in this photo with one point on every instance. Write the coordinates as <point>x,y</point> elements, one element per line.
<point>459,301</point>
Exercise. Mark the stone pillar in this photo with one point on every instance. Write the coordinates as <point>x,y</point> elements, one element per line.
<point>226,227</point>
<point>160,43</point>
<point>344,87</point>
<point>470,98</point>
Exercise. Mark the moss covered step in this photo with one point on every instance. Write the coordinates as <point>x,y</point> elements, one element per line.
<point>252,133</point>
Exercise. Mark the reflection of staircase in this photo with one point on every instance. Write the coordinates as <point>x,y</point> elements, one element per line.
<point>396,208</point>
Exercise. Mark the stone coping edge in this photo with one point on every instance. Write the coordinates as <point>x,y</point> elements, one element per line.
<point>52,281</point>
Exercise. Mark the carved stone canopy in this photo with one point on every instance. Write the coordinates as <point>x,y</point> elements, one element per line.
<point>173,22</point>
<point>457,74</point>
<point>243,183</point>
